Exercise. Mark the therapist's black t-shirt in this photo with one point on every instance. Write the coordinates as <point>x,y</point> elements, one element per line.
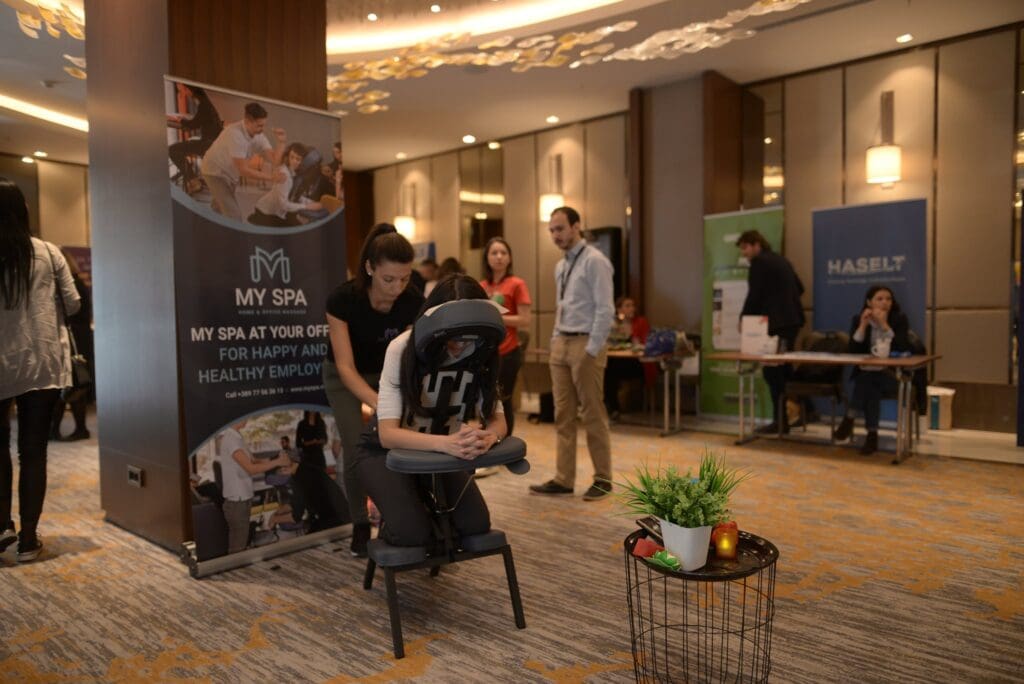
<point>369,330</point>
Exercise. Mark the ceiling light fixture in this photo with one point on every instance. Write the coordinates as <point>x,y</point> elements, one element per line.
<point>552,119</point>
<point>883,162</point>
<point>401,155</point>
<point>43,113</point>
<point>435,8</point>
<point>905,38</point>
<point>767,141</point>
<point>28,160</point>
<point>372,17</point>
<point>469,139</point>
<point>40,154</point>
<point>494,145</point>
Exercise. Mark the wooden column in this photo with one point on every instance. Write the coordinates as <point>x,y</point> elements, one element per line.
<point>637,226</point>
<point>723,150</point>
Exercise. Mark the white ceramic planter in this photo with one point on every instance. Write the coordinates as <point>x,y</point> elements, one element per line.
<point>688,544</point>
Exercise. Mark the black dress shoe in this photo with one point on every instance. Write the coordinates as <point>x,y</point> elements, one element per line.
<point>844,430</point>
<point>550,487</point>
<point>360,537</point>
<point>870,445</point>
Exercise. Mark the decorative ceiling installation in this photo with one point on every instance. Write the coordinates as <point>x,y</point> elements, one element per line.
<point>697,36</point>
<point>539,51</point>
<point>56,18</point>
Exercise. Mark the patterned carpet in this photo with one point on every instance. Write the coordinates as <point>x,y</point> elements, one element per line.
<point>908,573</point>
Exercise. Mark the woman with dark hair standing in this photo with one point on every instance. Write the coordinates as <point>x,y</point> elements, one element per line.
<point>510,292</point>
<point>81,327</point>
<point>311,473</point>
<point>404,421</point>
<point>35,361</point>
<point>879,329</point>
<point>363,316</point>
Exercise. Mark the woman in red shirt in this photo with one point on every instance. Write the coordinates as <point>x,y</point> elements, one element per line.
<point>510,292</point>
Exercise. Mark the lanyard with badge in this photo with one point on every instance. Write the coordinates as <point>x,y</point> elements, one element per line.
<point>568,272</point>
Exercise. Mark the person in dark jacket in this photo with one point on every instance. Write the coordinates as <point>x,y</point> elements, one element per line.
<point>206,122</point>
<point>773,290</point>
<point>880,329</point>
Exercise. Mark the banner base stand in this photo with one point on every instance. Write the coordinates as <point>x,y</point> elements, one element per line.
<point>199,569</point>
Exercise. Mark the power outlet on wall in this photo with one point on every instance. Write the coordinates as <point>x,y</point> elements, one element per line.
<point>135,476</point>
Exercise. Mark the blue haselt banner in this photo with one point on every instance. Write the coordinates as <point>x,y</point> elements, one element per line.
<point>856,247</point>
<point>259,242</point>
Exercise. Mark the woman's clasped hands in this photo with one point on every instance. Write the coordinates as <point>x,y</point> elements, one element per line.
<point>469,442</point>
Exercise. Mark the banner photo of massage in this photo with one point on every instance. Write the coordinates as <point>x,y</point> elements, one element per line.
<point>259,242</point>
<point>725,289</point>
<point>857,247</point>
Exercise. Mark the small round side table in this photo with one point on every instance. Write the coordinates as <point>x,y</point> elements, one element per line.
<point>713,624</point>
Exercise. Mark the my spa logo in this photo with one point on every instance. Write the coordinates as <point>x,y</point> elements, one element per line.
<point>272,265</point>
<point>868,265</point>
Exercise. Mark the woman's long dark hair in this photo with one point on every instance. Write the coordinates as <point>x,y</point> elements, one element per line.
<point>875,289</point>
<point>485,376</point>
<point>383,243</point>
<point>15,246</point>
<point>488,271</point>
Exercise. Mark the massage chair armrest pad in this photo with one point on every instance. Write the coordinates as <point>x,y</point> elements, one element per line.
<point>510,450</point>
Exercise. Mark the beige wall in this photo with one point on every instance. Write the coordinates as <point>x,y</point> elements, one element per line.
<point>63,203</point>
<point>954,121</point>
<point>593,181</point>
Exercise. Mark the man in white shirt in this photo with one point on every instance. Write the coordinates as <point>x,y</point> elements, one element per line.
<point>227,159</point>
<point>583,319</point>
<point>237,468</point>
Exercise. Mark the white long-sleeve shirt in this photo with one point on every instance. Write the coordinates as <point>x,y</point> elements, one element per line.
<point>35,352</point>
<point>585,295</point>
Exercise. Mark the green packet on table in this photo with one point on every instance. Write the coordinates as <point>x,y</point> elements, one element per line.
<point>664,559</point>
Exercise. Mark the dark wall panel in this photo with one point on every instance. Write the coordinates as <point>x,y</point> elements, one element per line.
<point>723,137</point>
<point>274,48</point>
<point>130,212</point>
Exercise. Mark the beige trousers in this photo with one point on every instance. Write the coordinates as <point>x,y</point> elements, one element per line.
<point>577,382</point>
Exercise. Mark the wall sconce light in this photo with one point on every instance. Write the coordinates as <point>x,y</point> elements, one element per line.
<point>405,222</point>
<point>549,201</point>
<point>884,161</point>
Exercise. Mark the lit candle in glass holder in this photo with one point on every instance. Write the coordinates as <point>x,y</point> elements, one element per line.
<point>726,537</point>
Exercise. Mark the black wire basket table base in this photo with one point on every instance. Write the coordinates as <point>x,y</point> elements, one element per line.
<point>713,624</point>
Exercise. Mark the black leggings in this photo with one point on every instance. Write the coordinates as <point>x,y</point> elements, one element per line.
<point>508,371</point>
<point>35,413</point>
<point>407,519</point>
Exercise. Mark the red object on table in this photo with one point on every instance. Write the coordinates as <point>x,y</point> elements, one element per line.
<point>645,548</point>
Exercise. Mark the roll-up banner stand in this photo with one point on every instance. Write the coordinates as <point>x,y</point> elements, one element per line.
<point>859,246</point>
<point>725,289</point>
<point>259,241</point>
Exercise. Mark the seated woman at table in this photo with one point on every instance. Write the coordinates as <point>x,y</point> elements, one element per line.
<point>879,329</point>
<point>409,388</point>
<point>629,332</point>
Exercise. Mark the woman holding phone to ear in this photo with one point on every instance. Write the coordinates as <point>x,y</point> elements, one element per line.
<point>879,329</point>
<point>363,316</point>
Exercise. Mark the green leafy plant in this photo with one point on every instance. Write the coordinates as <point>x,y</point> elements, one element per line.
<point>684,500</point>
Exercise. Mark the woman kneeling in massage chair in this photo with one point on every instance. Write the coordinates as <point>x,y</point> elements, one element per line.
<point>438,392</point>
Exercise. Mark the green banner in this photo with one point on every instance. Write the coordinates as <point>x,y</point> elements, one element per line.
<point>725,288</point>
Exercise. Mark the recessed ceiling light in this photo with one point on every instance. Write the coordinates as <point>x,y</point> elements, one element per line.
<point>767,141</point>
<point>371,16</point>
<point>469,139</point>
<point>435,8</point>
<point>494,145</point>
<point>40,153</point>
<point>552,119</point>
<point>28,160</point>
<point>401,155</point>
<point>905,38</point>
